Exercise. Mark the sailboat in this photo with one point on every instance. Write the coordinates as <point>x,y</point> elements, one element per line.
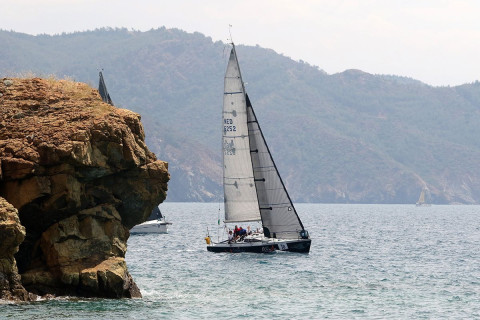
<point>155,223</point>
<point>425,199</point>
<point>102,89</point>
<point>253,188</point>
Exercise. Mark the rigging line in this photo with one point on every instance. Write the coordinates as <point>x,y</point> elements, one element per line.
<point>230,32</point>
<point>231,40</point>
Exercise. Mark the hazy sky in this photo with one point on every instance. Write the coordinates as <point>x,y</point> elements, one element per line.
<point>435,41</point>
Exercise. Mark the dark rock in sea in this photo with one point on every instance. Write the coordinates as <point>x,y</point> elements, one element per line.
<point>80,175</point>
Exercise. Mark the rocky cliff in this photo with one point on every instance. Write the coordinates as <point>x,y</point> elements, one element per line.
<point>79,175</point>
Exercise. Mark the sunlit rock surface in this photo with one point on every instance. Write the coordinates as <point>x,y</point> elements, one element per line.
<point>80,175</point>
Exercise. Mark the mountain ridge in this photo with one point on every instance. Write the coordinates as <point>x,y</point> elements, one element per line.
<point>350,137</point>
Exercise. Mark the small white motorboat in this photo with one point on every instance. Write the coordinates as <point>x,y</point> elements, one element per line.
<point>155,224</point>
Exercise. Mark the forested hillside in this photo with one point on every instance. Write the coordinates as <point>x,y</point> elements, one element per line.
<point>350,137</point>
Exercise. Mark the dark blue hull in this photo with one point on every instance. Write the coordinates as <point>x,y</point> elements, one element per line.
<point>301,245</point>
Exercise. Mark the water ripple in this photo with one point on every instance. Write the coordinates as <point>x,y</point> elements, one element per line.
<point>366,262</point>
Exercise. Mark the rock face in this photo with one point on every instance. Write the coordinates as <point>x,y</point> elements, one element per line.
<point>12,234</point>
<point>80,175</point>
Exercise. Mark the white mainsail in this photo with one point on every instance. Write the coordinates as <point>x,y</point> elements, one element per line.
<point>240,195</point>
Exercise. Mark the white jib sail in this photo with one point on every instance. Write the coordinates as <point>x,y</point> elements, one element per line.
<point>240,195</point>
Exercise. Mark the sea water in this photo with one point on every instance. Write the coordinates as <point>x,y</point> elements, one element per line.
<point>366,262</point>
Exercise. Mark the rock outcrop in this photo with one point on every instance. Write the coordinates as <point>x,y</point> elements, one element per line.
<point>80,175</point>
<point>12,234</point>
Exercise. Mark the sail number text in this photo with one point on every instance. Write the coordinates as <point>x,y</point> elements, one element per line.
<point>228,125</point>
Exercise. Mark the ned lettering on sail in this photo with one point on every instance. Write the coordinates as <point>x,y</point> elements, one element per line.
<point>228,125</point>
<point>253,188</point>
